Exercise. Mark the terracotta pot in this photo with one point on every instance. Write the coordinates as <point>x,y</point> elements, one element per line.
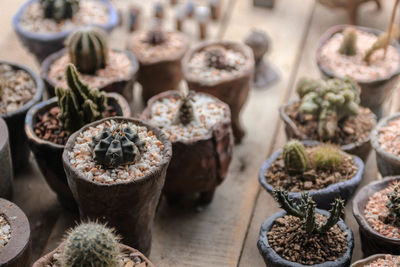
<point>360,149</point>
<point>366,261</point>
<point>325,196</point>
<point>231,90</point>
<point>373,242</point>
<point>6,171</point>
<point>157,75</point>
<point>373,93</point>
<point>42,45</point>
<point>17,252</point>
<point>198,165</point>
<point>272,259</point>
<point>49,155</point>
<point>128,207</point>
<point>15,122</point>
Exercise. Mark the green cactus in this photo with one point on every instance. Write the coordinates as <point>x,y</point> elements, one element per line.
<point>348,46</point>
<point>381,43</point>
<point>90,244</point>
<point>79,105</point>
<point>305,210</point>
<point>393,204</point>
<point>155,36</point>
<point>59,10</point>
<point>88,49</point>
<point>185,111</point>
<point>295,157</point>
<point>326,157</point>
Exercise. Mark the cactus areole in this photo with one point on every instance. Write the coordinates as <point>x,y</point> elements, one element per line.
<point>59,10</point>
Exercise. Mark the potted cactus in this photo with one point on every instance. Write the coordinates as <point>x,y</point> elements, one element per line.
<point>323,170</point>
<point>378,260</point>
<point>43,25</point>
<point>329,111</point>
<point>93,244</point>
<point>317,237</point>
<point>199,128</point>
<point>6,171</point>
<point>49,123</point>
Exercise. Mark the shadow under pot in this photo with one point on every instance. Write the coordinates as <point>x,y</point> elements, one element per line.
<point>224,69</point>
<point>374,258</point>
<point>48,155</point>
<point>375,88</point>
<point>295,128</point>
<point>126,196</point>
<point>273,259</point>
<point>6,171</point>
<point>201,155</point>
<point>17,106</point>
<point>42,43</point>
<point>369,206</point>
<point>15,248</point>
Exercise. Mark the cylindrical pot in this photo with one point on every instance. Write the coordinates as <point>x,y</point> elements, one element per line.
<point>122,86</point>
<point>6,171</point>
<point>15,122</point>
<point>48,155</point>
<point>373,93</point>
<point>360,149</point>
<point>373,242</point>
<point>272,259</point>
<point>198,165</point>
<point>232,90</point>
<point>17,252</point>
<point>129,207</point>
<point>42,45</point>
<point>366,261</point>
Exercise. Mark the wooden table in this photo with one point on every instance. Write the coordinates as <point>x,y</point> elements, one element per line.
<point>226,232</point>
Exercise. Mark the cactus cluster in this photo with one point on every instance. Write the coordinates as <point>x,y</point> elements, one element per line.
<point>295,157</point>
<point>215,57</point>
<point>59,10</point>
<point>88,49</point>
<point>304,209</point>
<point>155,36</point>
<point>326,157</point>
<point>79,105</point>
<point>348,46</point>
<point>381,42</point>
<point>185,111</point>
<point>393,205</point>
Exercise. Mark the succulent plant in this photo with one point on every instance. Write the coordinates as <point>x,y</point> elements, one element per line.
<point>59,10</point>
<point>155,36</point>
<point>216,58</point>
<point>185,111</point>
<point>326,157</point>
<point>295,157</point>
<point>348,46</point>
<point>330,101</point>
<point>79,105</point>
<point>381,42</point>
<point>305,210</point>
<point>393,204</point>
<point>88,49</point>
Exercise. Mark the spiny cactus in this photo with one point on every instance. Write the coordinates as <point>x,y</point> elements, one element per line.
<point>326,157</point>
<point>59,10</point>
<point>88,49</point>
<point>79,105</point>
<point>393,205</point>
<point>155,36</point>
<point>216,58</point>
<point>305,210</point>
<point>185,111</point>
<point>348,46</point>
<point>90,244</point>
<point>381,43</point>
<point>295,157</point>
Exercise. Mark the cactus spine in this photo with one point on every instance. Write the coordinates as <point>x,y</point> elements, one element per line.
<point>59,10</point>
<point>326,157</point>
<point>185,111</point>
<point>348,46</point>
<point>393,204</point>
<point>295,157</point>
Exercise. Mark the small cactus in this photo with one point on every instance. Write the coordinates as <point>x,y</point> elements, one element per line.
<point>393,205</point>
<point>59,10</point>
<point>155,36</point>
<point>216,58</point>
<point>79,105</point>
<point>381,43</point>
<point>326,157</point>
<point>185,111</point>
<point>88,49</point>
<point>348,46</point>
<point>295,157</point>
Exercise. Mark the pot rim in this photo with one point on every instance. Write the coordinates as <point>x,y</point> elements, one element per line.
<point>3,133</point>
<point>368,260</point>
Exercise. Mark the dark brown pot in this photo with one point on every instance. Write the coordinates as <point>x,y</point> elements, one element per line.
<point>49,155</point>
<point>373,242</point>
<point>374,93</point>
<point>157,75</point>
<point>17,252</point>
<point>123,86</point>
<point>366,261</point>
<point>199,165</point>
<point>232,90</point>
<point>6,171</point>
<point>360,149</point>
<point>128,207</point>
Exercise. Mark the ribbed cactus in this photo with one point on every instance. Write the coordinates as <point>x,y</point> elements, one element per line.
<point>155,36</point>
<point>185,111</point>
<point>348,46</point>
<point>216,58</point>
<point>305,210</point>
<point>295,157</point>
<point>90,244</point>
<point>88,49</point>
<point>393,206</point>
<point>78,103</point>
<point>326,157</point>
<point>381,42</point>
<point>59,10</point>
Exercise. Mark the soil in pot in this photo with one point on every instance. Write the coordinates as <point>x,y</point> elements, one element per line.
<point>388,137</point>
<point>5,231</point>
<point>386,261</point>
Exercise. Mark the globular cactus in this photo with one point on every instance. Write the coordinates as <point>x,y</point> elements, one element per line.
<point>305,210</point>
<point>216,58</point>
<point>348,46</point>
<point>381,42</point>
<point>155,36</point>
<point>88,49</point>
<point>59,10</point>
<point>326,157</point>
<point>90,244</point>
<point>295,157</point>
<point>393,206</point>
<point>185,111</point>
<point>79,105</point>
<point>120,146</point>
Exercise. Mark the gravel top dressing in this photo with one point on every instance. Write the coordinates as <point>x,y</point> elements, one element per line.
<point>5,231</point>
<point>388,261</point>
<point>389,138</point>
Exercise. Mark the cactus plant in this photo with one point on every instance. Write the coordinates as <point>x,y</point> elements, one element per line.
<point>155,36</point>
<point>59,10</point>
<point>326,157</point>
<point>88,49</point>
<point>348,46</point>
<point>393,205</point>
<point>295,157</point>
<point>381,42</point>
<point>305,210</point>
<point>216,58</point>
<point>185,111</point>
<point>79,105</point>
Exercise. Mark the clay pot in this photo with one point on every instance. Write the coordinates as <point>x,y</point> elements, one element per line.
<point>42,45</point>
<point>160,74</point>
<point>15,122</point>
<point>323,197</point>
<point>373,242</point>
<point>128,207</point>
<point>48,155</point>
<point>272,259</point>
<point>231,90</point>
<point>360,149</point>
<point>6,171</point>
<point>198,165</point>
<point>373,93</point>
<point>366,261</point>
<point>17,252</point>
<point>123,86</point>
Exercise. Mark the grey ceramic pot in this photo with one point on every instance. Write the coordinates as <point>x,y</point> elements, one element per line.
<point>6,171</point>
<point>368,260</point>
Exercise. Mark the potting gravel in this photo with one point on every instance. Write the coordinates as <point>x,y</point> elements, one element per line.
<point>389,138</point>
<point>5,231</point>
<point>388,261</point>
